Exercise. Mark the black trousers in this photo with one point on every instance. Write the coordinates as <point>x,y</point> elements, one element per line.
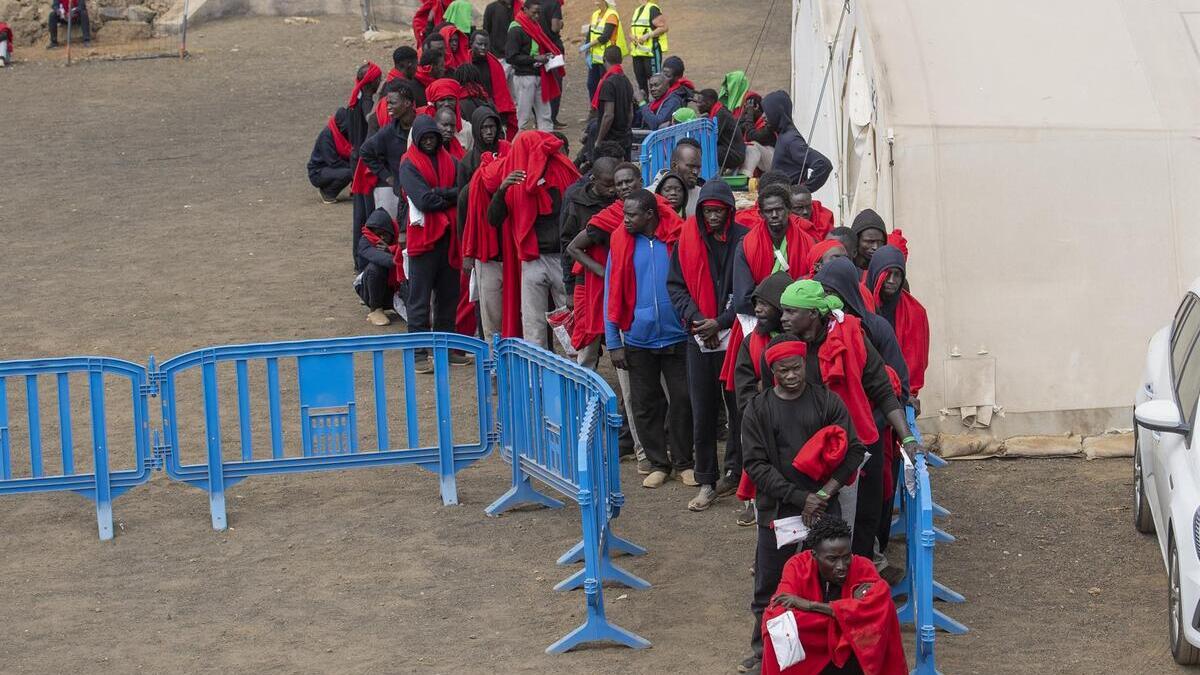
<point>431,279</point>
<point>648,368</point>
<point>708,395</point>
<point>364,205</point>
<point>82,21</point>
<point>768,570</point>
<point>330,179</point>
<point>375,290</point>
<point>646,66</point>
<point>869,506</point>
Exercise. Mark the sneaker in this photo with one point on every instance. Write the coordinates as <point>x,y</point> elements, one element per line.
<point>749,515</point>
<point>423,365</point>
<point>559,126</point>
<point>378,317</point>
<point>460,359</point>
<point>750,664</point>
<point>52,45</point>
<point>328,198</point>
<point>727,485</point>
<point>655,479</point>
<point>704,499</point>
<point>688,478</point>
<point>644,467</point>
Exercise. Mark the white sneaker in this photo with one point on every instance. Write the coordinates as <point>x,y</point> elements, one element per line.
<point>377,317</point>
<point>655,479</point>
<point>704,499</point>
<point>688,478</point>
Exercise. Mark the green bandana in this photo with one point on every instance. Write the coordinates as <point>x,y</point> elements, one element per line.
<point>459,14</point>
<point>809,294</point>
<point>733,90</point>
<point>684,114</point>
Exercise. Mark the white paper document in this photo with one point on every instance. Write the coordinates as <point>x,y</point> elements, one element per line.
<point>556,62</point>
<point>785,638</point>
<point>748,323</point>
<point>721,346</point>
<point>789,530</point>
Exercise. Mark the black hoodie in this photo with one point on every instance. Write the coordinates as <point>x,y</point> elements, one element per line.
<point>380,221</point>
<point>382,152</point>
<point>324,152</point>
<point>841,276</point>
<point>793,155</point>
<point>720,261</point>
<point>581,206</point>
<point>886,258</point>
<point>468,164</point>
<point>427,199</point>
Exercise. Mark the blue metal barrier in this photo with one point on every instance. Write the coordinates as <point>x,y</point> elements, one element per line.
<point>103,484</point>
<point>918,586</point>
<point>559,424</point>
<point>655,153</point>
<point>328,406</point>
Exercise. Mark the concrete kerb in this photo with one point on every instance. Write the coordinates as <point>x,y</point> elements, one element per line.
<point>199,11</point>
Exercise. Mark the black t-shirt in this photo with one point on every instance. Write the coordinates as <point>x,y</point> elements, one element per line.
<point>496,20</point>
<point>618,90</point>
<point>551,9</point>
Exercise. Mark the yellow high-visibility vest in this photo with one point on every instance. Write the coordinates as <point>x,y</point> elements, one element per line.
<point>641,26</point>
<point>596,29</point>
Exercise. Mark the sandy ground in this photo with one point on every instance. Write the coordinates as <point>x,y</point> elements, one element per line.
<point>160,206</point>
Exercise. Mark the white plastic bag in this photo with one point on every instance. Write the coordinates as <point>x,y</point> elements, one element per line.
<point>561,321</point>
<point>785,638</point>
<point>789,530</point>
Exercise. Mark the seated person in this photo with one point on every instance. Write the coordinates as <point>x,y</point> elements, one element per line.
<point>760,140</point>
<point>656,113</point>
<point>383,271</point>
<point>330,167</point>
<point>731,149</point>
<point>76,10</point>
<point>844,612</point>
<point>5,44</point>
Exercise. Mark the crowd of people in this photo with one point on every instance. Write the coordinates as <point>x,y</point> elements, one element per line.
<point>797,342</point>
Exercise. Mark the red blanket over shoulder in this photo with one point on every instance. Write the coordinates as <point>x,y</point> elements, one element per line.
<point>615,70</point>
<point>538,154</point>
<point>682,82</point>
<point>500,94</point>
<point>550,81</point>
<point>822,220</point>
<point>396,250</point>
<point>622,296</point>
<point>340,143</point>
<point>429,13</point>
<point>693,262</point>
<point>842,357</point>
<point>437,223</point>
<point>912,332</point>
<point>867,627</point>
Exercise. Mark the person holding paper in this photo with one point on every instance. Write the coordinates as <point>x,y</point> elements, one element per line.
<point>700,285</point>
<point>427,176</point>
<point>842,610</point>
<point>778,426</point>
<point>528,51</point>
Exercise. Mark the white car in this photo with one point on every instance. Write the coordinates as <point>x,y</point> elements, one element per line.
<point>1166,464</point>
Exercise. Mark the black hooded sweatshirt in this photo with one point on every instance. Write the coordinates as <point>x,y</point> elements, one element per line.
<point>582,205</point>
<point>382,153</point>
<point>841,276</point>
<point>885,258</point>
<point>793,155</point>
<point>380,221</point>
<point>324,152</point>
<point>427,199</point>
<point>720,262</point>
<point>469,163</point>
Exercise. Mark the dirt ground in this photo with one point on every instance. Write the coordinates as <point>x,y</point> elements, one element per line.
<point>160,206</point>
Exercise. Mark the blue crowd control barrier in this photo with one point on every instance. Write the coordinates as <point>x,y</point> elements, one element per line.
<point>329,438</point>
<point>559,424</point>
<point>655,154</point>
<point>69,472</point>
<point>327,394</point>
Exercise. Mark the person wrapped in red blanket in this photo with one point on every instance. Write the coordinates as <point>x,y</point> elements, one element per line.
<point>886,277</point>
<point>382,252</point>
<point>844,616</point>
<point>6,44</point>
<point>427,16</point>
<point>514,207</point>
<point>491,73</point>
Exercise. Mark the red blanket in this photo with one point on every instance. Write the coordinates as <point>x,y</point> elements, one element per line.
<point>437,223</point>
<point>822,453</point>
<point>369,77</point>
<point>462,55</point>
<point>693,262</point>
<point>363,182</point>
<point>822,220</point>
<point>622,296</point>
<point>866,628</point>
<point>589,302</point>
<point>340,143</point>
<point>428,14</point>
<point>539,155</point>
<point>842,357</point>
<point>550,81</point>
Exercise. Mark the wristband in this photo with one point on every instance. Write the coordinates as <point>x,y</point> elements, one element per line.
<point>822,494</point>
<point>907,440</point>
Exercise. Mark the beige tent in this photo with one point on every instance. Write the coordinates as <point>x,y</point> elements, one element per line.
<point>1043,160</point>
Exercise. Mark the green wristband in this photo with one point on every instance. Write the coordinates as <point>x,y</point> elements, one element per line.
<point>907,440</point>
<point>822,494</point>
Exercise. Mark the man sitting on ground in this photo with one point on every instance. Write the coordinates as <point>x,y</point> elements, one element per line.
<point>329,166</point>
<point>793,156</point>
<point>844,612</point>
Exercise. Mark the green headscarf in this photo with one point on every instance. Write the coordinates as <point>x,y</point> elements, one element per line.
<point>809,294</point>
<point>733,90</point>
<point>459,14</point>
<point>684,114</point>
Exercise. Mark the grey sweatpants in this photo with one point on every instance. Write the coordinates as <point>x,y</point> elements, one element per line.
<point>528,95</point>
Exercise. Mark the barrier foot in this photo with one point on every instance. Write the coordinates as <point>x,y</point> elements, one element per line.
<point>939,512</point>
<point>597,629</point>
<point>449,491</point>
<point>935,461</point>
<point>519,494</point>
<point>216,506</point>
<point>940,620</point>
<point>104,520</point>
<point>905,612</point>
<point>608,572</point>
<point>572,556</point>
<point>946,594</point>
<point>615,543</point>
<point>943,537</point>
